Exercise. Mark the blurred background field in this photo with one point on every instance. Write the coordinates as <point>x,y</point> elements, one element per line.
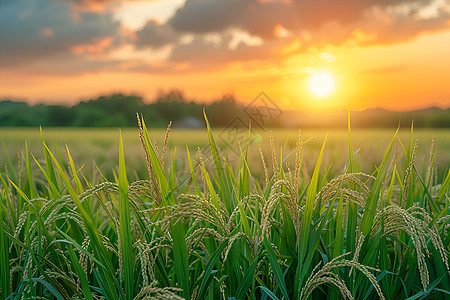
<point>98,146</point>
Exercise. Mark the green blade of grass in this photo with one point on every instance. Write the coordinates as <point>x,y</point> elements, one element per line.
<point>306,223</point>
<point>268,293</point>
<point>50,288</point>
<point>281,283</point>
<point>208,277</point>
<point>48,163</point>
<point>191,169</point>
<point>352,217</point>
<point>177,231</point>
<point>316,234</point>
<point>181,258</point>
<point>9,203</point>
<point>4,259</point>
<point>157,168</point>
<point>31,185</point>
<point>248,278</point>
<point>391,186</point>
<point>172,170</point>
<point>226,189</point>
<point>374,194</point>
<point>53,188</point>
<point>80,273</point>
<point>444,188</point>
<point>433,206</point>
<point>244,177</point>
<point>112,287</point>
<point>125,230</point>
<point>74,172</point>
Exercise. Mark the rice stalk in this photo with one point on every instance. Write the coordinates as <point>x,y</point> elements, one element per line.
<point>266,173</point>
<point>407,178</point>
<point>325,276</point>
<point>274,157</point>
<point>394,219</point>
<point>166,137</point>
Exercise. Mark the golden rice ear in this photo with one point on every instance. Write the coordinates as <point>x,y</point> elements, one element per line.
<point>153,292</point>
<point>335,186</point>
<point>431,162</point>
<point>151,172</point>
<point>357,250</point>
<point>157,149</point>
<point>84,259</point>
<point>415,222</point>
<point>274,200</point>
<point>326,276</point>
<point>298,161</point>
<point>205,189</point>
<point>274,157</point>
<point>264,166</point>
<point>165,144</point>
<point>408,176</point>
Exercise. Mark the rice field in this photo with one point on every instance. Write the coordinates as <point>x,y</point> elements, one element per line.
<point>101,145</point>
<point>142,214</point>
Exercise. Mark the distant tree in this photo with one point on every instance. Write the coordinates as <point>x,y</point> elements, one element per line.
<point>119,110</point>
<point>222,111</point>
<point>59,116</point>
<point>171,105</point>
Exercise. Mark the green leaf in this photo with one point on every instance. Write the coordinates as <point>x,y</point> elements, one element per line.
<point>48,163</point>
<point>248,279</point>
<point>269,293</point>
<point>112,287</point>
<point>226,189</point>
<point>208,277</point>
<point>125,230</point>
<point>49,287</point>
<point>4,259</point>
<point>306,223</point>
<point>276,268</point>
<point>181,258</point>
<point>30,174</point>
<point>374,194</point>
<point>81,275</point>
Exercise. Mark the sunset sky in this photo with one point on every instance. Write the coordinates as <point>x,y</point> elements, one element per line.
<point>393,54</point>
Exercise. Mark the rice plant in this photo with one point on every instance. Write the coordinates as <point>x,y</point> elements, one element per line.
<point>218,233</point>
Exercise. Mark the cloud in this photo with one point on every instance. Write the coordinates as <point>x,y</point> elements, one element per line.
<point>204,16</point>
<point>400,24</point>
<point>67,64</point>
<point>204,51</point>
<point>155,35</point>
<point>261,17</point>
<point>98,6</point>
<point>278,23</point>
<point>203,34</point>
<point>32,30</point>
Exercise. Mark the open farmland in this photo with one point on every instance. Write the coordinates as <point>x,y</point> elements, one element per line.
<point>101,145</point>
<point>112,218</point>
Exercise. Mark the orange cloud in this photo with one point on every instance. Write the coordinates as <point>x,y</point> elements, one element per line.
<point>98,6</point>
<point>97,47</point>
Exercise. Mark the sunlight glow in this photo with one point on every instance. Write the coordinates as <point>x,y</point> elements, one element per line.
<point>321,84</point>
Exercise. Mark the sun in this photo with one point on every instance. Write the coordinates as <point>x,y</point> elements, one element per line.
<point>321,84</point>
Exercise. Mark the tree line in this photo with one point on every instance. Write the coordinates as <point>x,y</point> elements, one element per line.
<point>119,110</point>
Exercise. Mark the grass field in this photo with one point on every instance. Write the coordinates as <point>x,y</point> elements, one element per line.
<point>310,222</point>
<point>102,146</point>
